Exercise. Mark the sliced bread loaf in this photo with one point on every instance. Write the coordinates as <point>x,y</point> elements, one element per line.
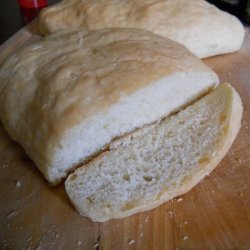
<point>66,97</point>
<point>159,162</point>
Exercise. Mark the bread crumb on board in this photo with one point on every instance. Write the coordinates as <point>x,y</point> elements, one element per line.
<point>170,214</point>
<point>185,237</point>
<point>238,159</point>
<point>5,245</point>
<point>96,245</point>
<point>131,242</point>
<point>179,199</point>
<point>18,183</point>
<point>12,214</point>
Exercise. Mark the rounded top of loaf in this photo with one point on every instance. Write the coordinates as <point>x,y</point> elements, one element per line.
<point>71,75</point>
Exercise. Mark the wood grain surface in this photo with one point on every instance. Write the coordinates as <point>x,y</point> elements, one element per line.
<point>213,215</point>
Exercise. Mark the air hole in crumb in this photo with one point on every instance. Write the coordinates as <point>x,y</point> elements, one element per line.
<point>108,206</point>
<point>90,200</point>
<point>192,139</point>
<point>173,159</point>
<point>223,117</point>
<point>147,178</point>
<point>129,205</point>
<point>170,134</point>
<point>61,170</point>
<point>112,173</point>
<point>204,160</point>
<point>126,177</point>
<point>105,126</point>
<point>73,177</point>
<point>181,122</point>
<point>94,51</point>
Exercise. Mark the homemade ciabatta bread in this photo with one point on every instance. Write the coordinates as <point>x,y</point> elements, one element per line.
<point>66,97</point>
<point>159,162</point>
<point>200,26</point>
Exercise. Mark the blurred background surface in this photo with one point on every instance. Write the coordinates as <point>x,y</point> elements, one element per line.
<point>12,18</point>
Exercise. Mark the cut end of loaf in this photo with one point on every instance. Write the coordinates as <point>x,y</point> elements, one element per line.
<point>167,159</point>
<point>143,107</point>
<point>99,85</point>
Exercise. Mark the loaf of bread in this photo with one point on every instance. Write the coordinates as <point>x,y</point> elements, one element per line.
<point>200,26</point>
<point>66,97</point>
<point>159,162</point>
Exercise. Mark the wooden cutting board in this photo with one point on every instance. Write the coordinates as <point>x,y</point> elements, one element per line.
<point>213,215</point>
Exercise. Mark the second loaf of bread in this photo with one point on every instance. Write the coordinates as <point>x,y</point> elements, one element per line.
<point>197,24</point>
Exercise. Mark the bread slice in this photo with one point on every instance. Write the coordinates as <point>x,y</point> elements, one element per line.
<point>159,162</point>
<point>200,26</point>
<point>66,97</point>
